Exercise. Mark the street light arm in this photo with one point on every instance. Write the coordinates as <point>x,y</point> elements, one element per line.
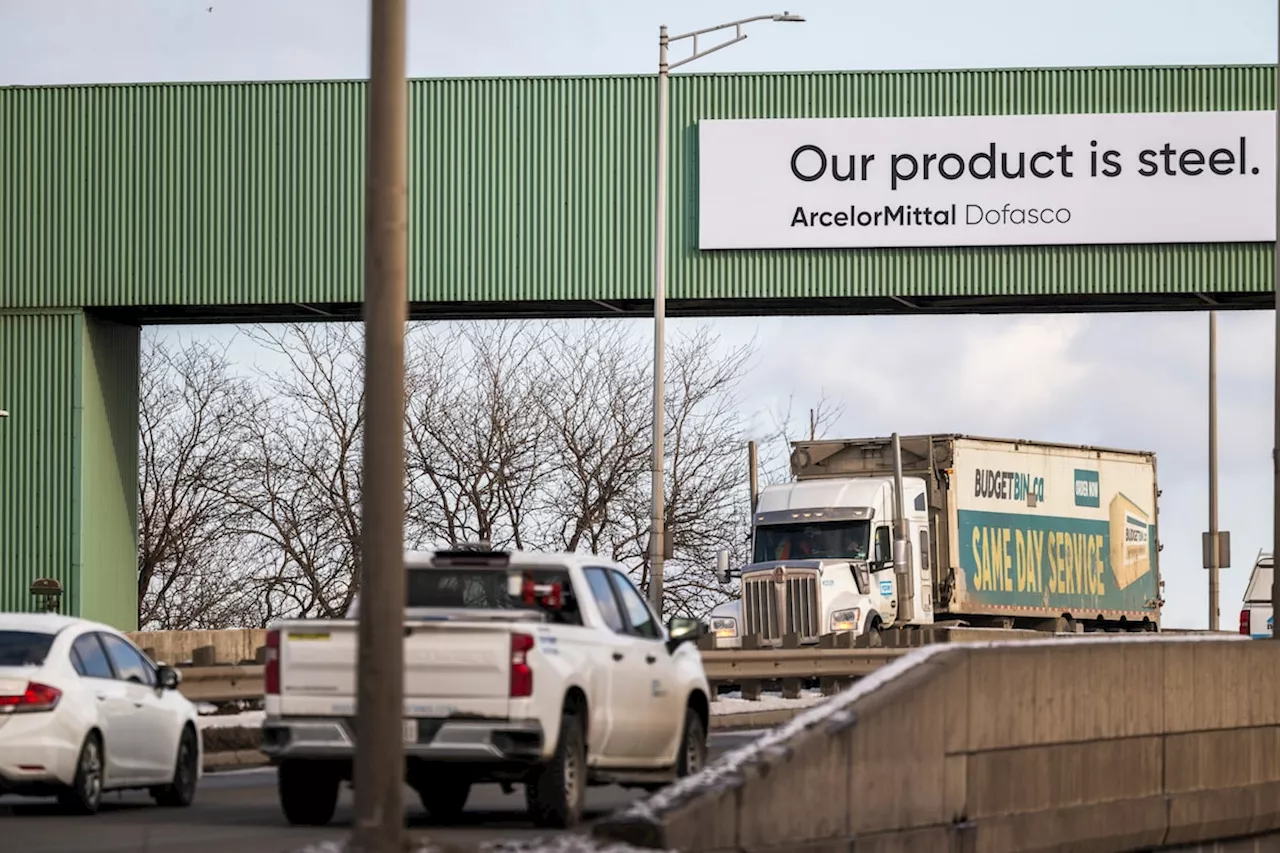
<point>739,35</point>
<point>719,27</point>
<point>698,55</point>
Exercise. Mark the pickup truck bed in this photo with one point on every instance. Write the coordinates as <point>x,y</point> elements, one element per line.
<point>549,671</point>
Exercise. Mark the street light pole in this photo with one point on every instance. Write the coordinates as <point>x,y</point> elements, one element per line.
<point>1213,551</point>
<point>657,538</point>
<point>1275,449</point>
<point>379,755</point>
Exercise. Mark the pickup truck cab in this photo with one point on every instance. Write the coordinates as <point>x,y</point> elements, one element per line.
<point>547,670</point>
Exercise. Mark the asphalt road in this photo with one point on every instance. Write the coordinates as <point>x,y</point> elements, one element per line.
<point>237,812</point>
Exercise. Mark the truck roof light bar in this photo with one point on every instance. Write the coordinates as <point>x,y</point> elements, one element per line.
<point>471,554</point>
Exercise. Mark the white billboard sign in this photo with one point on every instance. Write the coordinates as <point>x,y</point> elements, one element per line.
<point>987,180</point>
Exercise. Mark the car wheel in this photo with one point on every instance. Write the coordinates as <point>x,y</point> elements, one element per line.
<point>444,800</point>
<point>85,794</point>
<point>556,792</point>
<point>186,769</point>
<point>693,746</point>
<point>308,792</point>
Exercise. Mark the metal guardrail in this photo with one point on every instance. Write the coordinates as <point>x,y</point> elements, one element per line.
<point>244,682</point>
<point>228,683</point>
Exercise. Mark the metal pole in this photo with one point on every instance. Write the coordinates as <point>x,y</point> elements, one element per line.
<point>379,758</point>
<point>1213,471</point>
<point>1275,459</point>
<point>659,319</point>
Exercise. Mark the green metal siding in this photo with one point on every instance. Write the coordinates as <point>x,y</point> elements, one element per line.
<point>39,481</point>
<point>68,462</point>
<point>108,585</point>
<point>524,189</point>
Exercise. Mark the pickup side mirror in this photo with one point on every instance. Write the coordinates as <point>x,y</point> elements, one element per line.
<point>681,630</point>
<point>168,677</point>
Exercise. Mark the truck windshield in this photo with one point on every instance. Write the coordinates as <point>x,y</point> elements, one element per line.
<point>486,589</point>
<point>841,540</point>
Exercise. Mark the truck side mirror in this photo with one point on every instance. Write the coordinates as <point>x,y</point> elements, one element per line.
<point>722,566</point>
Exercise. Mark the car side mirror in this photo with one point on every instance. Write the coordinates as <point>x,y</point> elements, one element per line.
<point>168,677</point>
<point>681,630</point>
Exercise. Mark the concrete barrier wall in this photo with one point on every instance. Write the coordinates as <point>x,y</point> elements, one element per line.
<point>1090,744</point>
<point>175,647</point>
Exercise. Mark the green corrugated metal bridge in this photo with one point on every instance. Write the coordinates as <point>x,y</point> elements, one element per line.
<point>242,202</point>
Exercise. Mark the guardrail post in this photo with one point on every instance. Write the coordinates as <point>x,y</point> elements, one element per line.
<point>205,656</point>
<point>791,686</point>
<point>833,684</point>
<point>751,688</point>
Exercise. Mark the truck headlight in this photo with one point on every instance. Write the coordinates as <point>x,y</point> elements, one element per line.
<point>845,620</point>
<point>725,626</point>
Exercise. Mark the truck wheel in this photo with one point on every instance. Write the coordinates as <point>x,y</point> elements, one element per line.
<point>693,746</point>
<point>308,792</point>
<point>556,792</point>
<point>444,800</point>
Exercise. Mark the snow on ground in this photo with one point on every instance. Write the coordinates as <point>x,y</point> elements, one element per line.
<point>729,703</point>
<point>245,719</point>
<point>732,702</point>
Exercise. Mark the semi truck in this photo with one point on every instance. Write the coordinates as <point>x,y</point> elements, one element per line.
<point>912,531</point>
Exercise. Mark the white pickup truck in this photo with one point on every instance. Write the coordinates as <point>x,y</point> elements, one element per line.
<point>548,670</point>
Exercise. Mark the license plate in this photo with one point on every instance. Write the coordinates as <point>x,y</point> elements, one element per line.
<point>410,732</point>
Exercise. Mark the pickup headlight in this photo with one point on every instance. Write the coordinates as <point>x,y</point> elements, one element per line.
<point>845,620</point>
<point>725,626</point>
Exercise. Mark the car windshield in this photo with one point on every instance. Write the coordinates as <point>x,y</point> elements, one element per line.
<point>486,589</point>
<point>24,648</point>
<point>841,540</point>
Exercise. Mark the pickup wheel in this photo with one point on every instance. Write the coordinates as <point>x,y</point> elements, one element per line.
<point>693,746</point>
<point>557,791</point>
<point>308,792</point>
<point>444,800</point>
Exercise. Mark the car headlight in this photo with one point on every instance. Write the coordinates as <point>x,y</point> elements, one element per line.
<point>725,626</point>
<point>845,620</point>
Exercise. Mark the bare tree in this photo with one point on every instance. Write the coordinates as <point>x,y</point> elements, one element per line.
<point>599,411</point>
<point>476,434</point>
<point>299,492</point>
<point>529,435</point>
<point>706,495</point>
<point>192,415</point>
<point>775,446</point>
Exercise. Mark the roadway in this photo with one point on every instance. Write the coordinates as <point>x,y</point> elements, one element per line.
<point>237,811</point>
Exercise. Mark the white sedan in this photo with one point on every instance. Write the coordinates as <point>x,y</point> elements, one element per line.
<point>83,711</point>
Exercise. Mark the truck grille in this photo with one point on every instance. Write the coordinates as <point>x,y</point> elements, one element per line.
<point>760,607</point>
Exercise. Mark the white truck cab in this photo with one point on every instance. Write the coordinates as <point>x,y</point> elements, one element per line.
<point>1257,619</point>
<point>822,552</point>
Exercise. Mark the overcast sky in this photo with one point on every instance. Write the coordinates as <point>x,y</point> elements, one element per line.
<point>1048,378</point>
